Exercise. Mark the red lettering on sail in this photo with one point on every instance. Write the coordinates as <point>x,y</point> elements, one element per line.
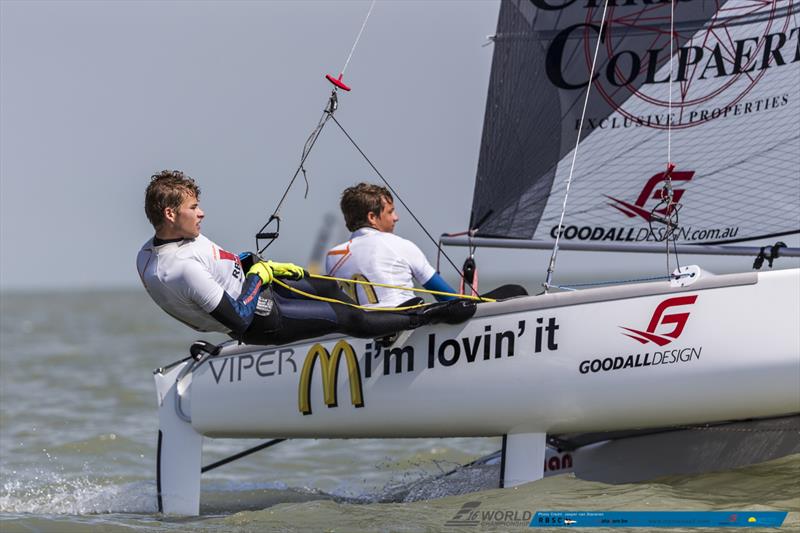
<point>652,191</point>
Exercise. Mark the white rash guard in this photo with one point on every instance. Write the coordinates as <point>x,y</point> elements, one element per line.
<point>188,278</point>
<point>379,257</point>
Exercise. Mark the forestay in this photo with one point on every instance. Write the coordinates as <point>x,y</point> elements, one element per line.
<point>735,138</point>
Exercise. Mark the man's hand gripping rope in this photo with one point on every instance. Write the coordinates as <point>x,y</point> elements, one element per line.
<point>269,271</point>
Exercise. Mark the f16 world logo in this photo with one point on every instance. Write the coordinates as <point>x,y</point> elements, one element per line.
<point>652,191</point>
<point>666,325</point>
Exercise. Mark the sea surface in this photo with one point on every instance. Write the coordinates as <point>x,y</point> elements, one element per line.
<point>78,427</point>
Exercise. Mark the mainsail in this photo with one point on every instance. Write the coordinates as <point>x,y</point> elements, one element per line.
<point>734,121</point>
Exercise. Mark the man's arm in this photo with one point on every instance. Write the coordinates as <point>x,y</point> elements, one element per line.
<point>425,274</point>
<point>237,315</point>
<point>437,283</point>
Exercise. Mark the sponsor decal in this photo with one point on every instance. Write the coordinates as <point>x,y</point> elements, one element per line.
<point>329,368</point>
<point>351,289</point>
<point>629,234</point>
<point>666,357</point>
<point>716,62</point>
<point>227,256</point>
<point>264,364</point>
<point>675,322</point>
<point>665,326</point>
<point>644,208</point>
<point>378,359</point>
<point>470,516</point>
<point>264,305</point>
<point>223,255</point>
<point>652,192</point>
<point>487,346</point>
<point>449,351</point>
<point>561,461</point>
<point>699,114</point>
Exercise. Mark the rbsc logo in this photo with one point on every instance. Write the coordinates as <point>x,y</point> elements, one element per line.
<point>675,321</point>
<point>329,367</point>
<point>651,191</point>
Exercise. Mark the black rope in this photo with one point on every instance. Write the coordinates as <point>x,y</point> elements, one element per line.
<point>394,192</point>
<point>239,455</point>
<point>312,139</point>
<point>310,142</point>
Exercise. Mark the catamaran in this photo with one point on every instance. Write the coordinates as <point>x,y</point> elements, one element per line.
<point>669,127</point>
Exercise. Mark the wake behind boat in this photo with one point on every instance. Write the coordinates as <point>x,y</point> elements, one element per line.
<point>594,380</point>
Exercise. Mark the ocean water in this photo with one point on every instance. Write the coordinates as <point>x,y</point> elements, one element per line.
<point>78,429</point>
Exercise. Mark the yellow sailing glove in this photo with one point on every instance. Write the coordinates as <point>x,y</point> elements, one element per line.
<point>263,270</point>
<point>286,270</point>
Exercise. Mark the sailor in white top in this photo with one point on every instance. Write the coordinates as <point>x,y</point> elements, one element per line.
<point>203,286</point>
<point>377,255</point>
<point>187,278</point>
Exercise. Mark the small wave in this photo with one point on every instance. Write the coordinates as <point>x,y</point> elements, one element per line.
<point>77,496</point>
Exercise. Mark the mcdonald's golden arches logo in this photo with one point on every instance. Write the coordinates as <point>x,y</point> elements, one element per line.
<point>329,367</point>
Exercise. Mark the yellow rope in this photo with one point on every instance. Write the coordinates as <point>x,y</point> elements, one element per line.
<point>364,307</point>
<point>335,301</point>
<point>427,291</point>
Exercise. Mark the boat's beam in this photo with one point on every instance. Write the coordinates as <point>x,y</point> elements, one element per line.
<point>689,249</point>
<point>240,455</point>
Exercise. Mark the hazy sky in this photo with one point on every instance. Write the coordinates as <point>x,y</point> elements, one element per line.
<point>97,96</point>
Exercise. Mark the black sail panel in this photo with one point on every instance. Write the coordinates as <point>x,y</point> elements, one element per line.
<point>521,103</point>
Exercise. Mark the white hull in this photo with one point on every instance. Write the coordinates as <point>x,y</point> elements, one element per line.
<point>719,348</point>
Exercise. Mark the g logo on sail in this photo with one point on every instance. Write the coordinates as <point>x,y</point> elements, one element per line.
<point>329,367</point>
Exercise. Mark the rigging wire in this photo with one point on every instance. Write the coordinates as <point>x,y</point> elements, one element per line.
<point>309,144</point>
<point>312,139</point>
<point>358,38</point>
<point>333,104</point>
<point>671,58</point>
<point>670,209</point>
<point>552,265</point>
<point>402,202</point>
<point>668,184</point>
<point>668,191</point>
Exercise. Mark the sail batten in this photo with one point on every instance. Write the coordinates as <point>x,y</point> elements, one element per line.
<point>734,120</point>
